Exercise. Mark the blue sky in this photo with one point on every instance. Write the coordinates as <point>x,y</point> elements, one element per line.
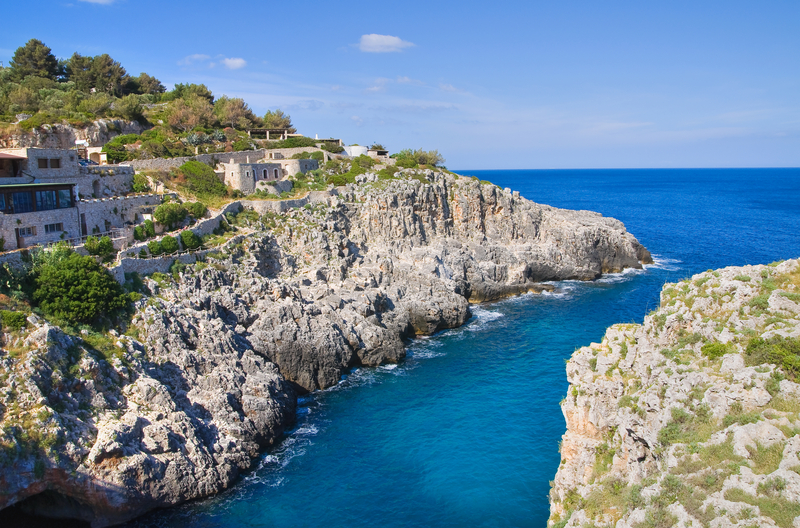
<point>568,84</point>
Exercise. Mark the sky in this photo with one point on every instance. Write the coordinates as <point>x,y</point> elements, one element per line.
<point>490,85</point>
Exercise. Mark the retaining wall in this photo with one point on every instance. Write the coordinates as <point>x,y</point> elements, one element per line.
<point>247,156</point>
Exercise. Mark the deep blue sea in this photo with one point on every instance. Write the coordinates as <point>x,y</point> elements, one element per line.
<point>465,432</point>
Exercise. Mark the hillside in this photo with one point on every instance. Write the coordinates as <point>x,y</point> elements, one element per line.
<point>690,419</point>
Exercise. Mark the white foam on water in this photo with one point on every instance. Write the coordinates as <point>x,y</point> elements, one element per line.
<point>480,318</point>
<point>390,366</point>
<point>664,263</point>
<point>306,430</point>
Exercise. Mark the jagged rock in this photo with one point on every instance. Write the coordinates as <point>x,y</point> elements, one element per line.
<point>211,378</point>
<point>678,419</point>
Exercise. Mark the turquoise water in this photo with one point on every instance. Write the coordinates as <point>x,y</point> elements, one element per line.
<point>465,432</point>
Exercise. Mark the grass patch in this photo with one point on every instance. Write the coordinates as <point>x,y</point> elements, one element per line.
<point>764,460</point>
<point>778,509</point>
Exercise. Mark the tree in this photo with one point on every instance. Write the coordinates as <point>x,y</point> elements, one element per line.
<point>78,290</point>
<point>169,244</point>
<point>190,112</point>
<point>109,76</point>
<point>169,214</point>
<point>102,73</point>
<point>181,91</point>
<point>278,119</point>
<point>190,240</point>
<point>234,112</point>
<point>146,84</point>
<point>129,107</point>
<point>101,248</point>
<point>34,58</point>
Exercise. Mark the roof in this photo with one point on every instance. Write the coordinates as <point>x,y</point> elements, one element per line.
<point>3,155</point>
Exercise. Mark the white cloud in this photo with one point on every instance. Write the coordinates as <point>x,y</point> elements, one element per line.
<point>234,63</point>
<point>448,88</point>
<point>190,59</point>
<point>373,43</point>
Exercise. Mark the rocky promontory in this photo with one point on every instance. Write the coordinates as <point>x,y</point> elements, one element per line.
<point>177,403</point>
<point>692,418</point>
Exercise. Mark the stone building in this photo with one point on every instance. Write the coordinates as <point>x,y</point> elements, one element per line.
<point>248,177</point>
<point>50,165</point>
<point>46,196</point>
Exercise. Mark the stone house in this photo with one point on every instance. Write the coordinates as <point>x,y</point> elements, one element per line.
<point>248,177</point>
<point>40,200</point>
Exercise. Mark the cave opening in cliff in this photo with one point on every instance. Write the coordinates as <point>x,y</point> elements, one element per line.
<point>48,509</point>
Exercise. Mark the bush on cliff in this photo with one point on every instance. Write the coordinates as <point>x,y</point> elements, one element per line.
<point>170,214</point>
<point>196,209</point>
<point>169,244</point>
<point>102,247</point>
<point>78,290</point>
<point>190,240</point>
<point>200,180</point>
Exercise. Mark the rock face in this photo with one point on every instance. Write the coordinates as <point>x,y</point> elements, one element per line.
<point>689,419</point>
<point>207,372</point>
<point>63,136</point>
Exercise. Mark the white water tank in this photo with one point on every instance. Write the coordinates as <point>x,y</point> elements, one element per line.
<point>355,150</point>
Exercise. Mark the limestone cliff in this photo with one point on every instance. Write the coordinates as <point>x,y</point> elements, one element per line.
<point>690,419</point>
<point>63,136</point>
<point>207,372</point>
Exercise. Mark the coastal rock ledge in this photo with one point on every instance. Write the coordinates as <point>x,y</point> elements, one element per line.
<point>205,377</point>
<point>692,418</point>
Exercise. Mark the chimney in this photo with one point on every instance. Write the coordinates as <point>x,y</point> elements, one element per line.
<point>248,159</point>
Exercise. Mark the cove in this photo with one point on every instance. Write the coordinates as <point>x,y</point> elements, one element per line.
<point>466,430</point>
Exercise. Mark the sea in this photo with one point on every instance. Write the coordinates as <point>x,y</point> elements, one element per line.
<point>465,431</point>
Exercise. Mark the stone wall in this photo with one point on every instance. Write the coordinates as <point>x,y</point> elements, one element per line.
<point>247,156</point>
<point>245,176</point>
<point>280,206</point>
<point>106,213</point>
<point>69,218</point>
<point>68,161</point>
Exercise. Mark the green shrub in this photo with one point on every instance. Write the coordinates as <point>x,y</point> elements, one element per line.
<point>102,247</point>
<point>170,214</point>
<point>333,149</point>
<point>200,180</point>
<point>154,247</point>
<point>196,209</point>
<point>169,244</point>
<point>138,233</point>
<point>743,278</point>
<point>140,184</point>
<point>78,290</point>
<point>760,302</point>
<point>190,240</point>
<point>716,350</point>
<point>13,320</point>
<point>149,228</point>
<point>781,351</point>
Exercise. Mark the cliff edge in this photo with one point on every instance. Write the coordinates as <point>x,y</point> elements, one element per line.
<point>104,428</point>
<point>690,419</point>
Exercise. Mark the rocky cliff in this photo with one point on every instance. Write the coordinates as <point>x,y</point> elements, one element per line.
<point>63,136</point>
<point>690,419</point>
<point>106,427</point>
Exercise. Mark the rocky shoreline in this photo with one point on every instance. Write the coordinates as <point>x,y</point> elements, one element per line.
<point>206,376</point>
<point>692,418</point>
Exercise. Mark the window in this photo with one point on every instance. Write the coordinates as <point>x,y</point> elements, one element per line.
<point>247,173</point>
<point>55,163</point>
<point>2,202</point>
<point>64,198</point>
<point>276,173</point>
<point>22,202</point>
<point>265,174</point>
<point>42,163</point>
<point>45,200</point>
<point>54,228</point>
<point>26,231</point>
